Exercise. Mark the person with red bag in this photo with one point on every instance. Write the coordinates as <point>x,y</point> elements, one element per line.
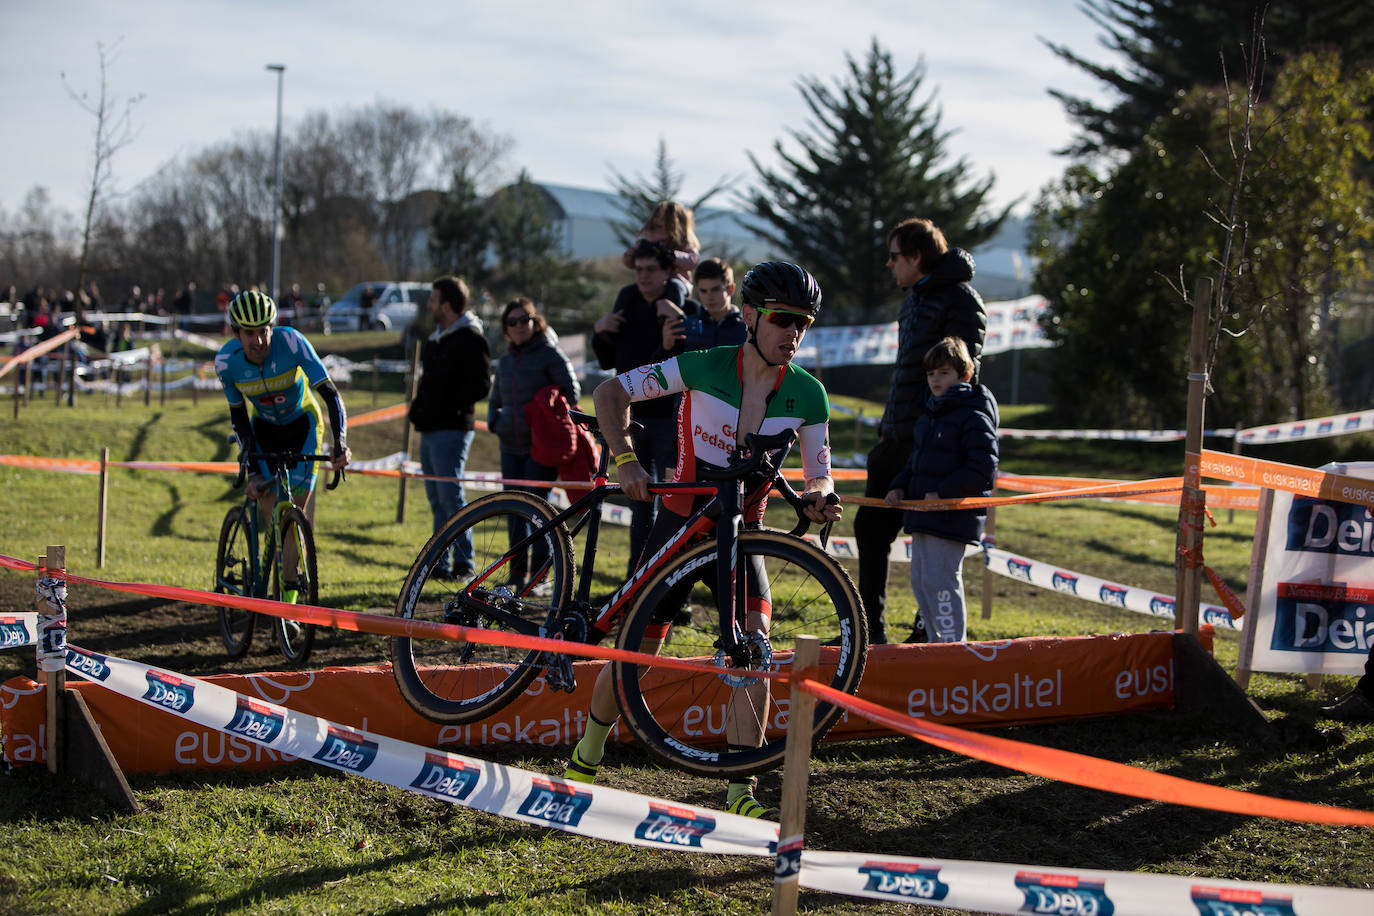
<point>533,362</point>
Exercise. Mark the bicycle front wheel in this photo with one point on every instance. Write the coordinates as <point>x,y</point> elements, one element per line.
<point>457,683</point>
<point>718,724</point>
<point>298,585</point>
<point>236,569</point>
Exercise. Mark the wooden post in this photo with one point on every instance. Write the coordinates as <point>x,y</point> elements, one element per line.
<point>58,372</point>
<point>1235,450</point>
<point>104,500</point>
<point>989,532</point>
<point>28,381</point>
<point>1193,503</point>
<point>413,384</point>
<point>54,682</point>
<point>71,374</point>
<point>796,774</point>
<point>148,380</point>
<point>162,385</point>
<point>1253,588</point>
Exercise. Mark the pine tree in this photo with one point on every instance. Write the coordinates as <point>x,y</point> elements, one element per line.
<point>874,155</point>
<point>460,232</point>
<point>1170,46</point>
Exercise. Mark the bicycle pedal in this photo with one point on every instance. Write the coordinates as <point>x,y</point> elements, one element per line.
<point>559,675</point>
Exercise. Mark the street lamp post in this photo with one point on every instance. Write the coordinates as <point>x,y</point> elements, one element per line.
<point>276,191</point>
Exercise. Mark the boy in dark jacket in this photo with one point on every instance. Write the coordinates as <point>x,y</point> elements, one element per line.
<point>955,455</point>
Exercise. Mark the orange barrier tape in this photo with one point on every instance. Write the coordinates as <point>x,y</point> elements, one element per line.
<point>393,626</point>
<point>1092,772</point>
<point>1098,491</point>
<point>38,350</point>
<point>1218,497</point>
<point>1229,598</point>
<point>394,412</point>
<point>1273,475</point>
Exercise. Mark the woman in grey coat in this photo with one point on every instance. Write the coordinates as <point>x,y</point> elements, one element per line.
<point>532,361</point>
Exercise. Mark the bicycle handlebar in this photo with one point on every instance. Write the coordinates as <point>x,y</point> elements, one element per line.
<point>275,459</point>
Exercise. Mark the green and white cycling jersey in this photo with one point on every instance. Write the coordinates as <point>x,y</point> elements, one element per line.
<point>711,382</point>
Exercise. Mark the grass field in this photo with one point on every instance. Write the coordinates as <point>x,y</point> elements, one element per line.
<point>301,840</point>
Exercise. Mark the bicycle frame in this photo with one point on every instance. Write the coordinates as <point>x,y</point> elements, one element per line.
<point>279,462</point>
<point>725,507</point>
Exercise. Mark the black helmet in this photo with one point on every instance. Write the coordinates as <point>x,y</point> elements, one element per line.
<point>252,309</point>
<point>781,282</point>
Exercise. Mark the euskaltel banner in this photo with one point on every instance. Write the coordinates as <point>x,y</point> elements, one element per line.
<point>1002,682</point>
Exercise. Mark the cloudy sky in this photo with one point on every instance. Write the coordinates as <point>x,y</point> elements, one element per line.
<point>579,87</point>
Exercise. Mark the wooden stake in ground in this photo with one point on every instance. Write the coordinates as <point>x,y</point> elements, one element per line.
<point>104,501</point>
<point>51,605</point>
<point>1193,503</point>
<point>796,775</point>
<point>414,383</point>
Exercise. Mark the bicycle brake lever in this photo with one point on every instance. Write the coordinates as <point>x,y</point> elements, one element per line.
<point>831,499</point>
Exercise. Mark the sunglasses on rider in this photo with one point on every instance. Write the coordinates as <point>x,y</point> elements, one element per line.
<point>514,321</point>
<point>783,319</point>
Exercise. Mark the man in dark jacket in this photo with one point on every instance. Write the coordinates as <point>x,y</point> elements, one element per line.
<point>940,303</point>
<point>455,374</point>
<point>627,338</point>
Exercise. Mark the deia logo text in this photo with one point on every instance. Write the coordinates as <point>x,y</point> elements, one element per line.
<point>1112,594</point>
<point>1161,606</point>
<point>556,803</point>
<point>1236,901</point>
<point>674,826</point>
<point>347,750</point>
<point>1063,895</point>
<point>13,633</point>
<point>169,691</point>
<point>257,721</point>
<point>1019,569</point>
<point>1217,617</point>
<point>904,879</point>
<point>1311,617</point>
<point>1064,582</point>
<point>88,664</point>
<point>1340,528</point>
<point>444,776</point>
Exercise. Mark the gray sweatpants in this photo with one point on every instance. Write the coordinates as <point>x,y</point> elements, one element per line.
<point>937,580</point>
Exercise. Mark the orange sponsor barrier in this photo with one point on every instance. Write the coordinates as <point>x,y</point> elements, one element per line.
<point>1007,682</point>
<point>1092,772</point>
<point>1273,475</point>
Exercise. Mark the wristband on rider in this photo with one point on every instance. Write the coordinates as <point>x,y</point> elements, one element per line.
<point>624,458</point>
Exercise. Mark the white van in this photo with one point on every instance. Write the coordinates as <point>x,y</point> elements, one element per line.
<point>394,306</point>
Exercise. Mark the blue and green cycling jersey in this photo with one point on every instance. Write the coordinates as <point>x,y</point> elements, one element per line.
<point>285,414</point>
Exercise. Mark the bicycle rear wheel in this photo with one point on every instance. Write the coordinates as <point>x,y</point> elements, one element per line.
<point>457,683</point>
<point>236,569</point>
<point>724,725</point>
<point>295,638</point>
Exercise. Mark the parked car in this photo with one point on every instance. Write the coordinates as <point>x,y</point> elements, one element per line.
<point>394,306</point>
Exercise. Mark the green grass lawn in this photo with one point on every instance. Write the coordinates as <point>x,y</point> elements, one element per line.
<point>301,840</point>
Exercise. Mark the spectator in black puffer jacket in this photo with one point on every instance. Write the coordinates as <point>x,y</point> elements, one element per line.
<point>455,375</point>
<point>940,303</point>
<point>955,456</point>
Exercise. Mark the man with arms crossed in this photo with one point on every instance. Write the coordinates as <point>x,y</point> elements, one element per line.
<point>750,388</point>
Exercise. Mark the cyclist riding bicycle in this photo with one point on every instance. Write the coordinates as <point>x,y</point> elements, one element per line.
<point>268,375</point>
<point>727,393</point>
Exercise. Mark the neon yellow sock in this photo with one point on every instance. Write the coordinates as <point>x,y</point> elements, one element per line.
<point>592,747</point>
<point>736,789</point>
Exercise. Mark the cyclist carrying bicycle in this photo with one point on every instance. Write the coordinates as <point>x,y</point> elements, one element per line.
<point>727,393</point>
<point>270,377</point>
